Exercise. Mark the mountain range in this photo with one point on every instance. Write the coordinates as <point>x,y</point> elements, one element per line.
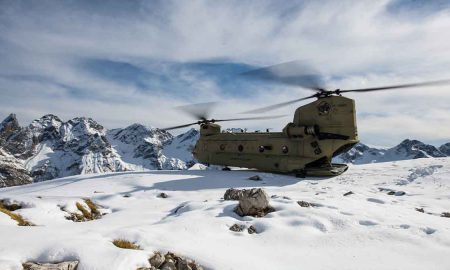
<point>50,148</point>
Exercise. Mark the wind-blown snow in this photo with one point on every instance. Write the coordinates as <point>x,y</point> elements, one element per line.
<point>365,230</point>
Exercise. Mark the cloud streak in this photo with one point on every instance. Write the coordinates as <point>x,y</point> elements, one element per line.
<point>133,61</point>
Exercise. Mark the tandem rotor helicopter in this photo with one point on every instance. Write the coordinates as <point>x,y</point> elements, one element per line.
<point>320,130</point>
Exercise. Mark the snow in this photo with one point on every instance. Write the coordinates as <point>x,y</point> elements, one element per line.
<point>181,146</point>
<point>365,230</point>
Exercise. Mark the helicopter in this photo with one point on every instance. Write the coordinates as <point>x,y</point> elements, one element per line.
<point>319,131</point>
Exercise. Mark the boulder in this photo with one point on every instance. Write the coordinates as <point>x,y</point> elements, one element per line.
<point>69,265</point>
<point>169,264</point>
<point>233,194</point>
<point>255,178</point>
<point>171,261</point>
<point>251,230</point>
<point>156,260</point>
<point>237,228</point>
<point>163,195</point>
<point>304,204</point>
<point>254,202</point>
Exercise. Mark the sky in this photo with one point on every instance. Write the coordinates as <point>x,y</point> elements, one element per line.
<point>124,62</point>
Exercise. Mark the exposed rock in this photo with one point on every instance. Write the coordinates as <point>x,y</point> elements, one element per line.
<point>237,228</point>
<point>157,260</point>
<point>8,127</point>
<point>12,171</point>
<point>233,194</point>
<point>445,214</point>
<point>251,230</point>
<point>183,265</point>
<point>445,149</point>
<point>348,193</point>
<point>254,202</point>
<point>171,261</point>
<point>391,192</point>
<point>407,149</point>
<point>10,206</point>
<point>83,146</point>
<point>69,265</point>
<point>163,195</point>
<point>399,193</point>
<point>169,264</point>
<point>421,210</point>
<point>304,204</point>
<point>255,178</point>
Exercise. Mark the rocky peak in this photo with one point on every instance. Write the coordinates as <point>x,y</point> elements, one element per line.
<point>419,149</point>
<point>407,149</point>
<point>8,127</point>
<point>445,149</point>
<point>188,136</point>
<point>12,171</point>
<point>137,134</point>
<point>46,121</point>
<point>10,121</point>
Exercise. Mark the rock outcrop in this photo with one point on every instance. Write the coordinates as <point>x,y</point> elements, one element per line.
<point>254,202</point>
<point>69,265</point>
<point>171,261</point>
<point>407,149</point>
<point>12,171</point>
<point>445,149</point>
<point>50,148</point>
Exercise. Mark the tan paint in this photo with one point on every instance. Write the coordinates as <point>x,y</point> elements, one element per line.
<point>310,147</point>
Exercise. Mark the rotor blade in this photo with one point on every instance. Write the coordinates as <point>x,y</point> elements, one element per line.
<point>292,73</point>
<point>279,105</point>
<point>251,118</point>
<point>182,126</point>
<point>421,84</point>
<point>199,111</point>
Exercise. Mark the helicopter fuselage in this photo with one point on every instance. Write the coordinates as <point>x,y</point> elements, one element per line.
<point>319,131</point>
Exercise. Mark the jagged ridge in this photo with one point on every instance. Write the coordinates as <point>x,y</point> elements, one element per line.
<point>407,149</point>
<point>50,148</point>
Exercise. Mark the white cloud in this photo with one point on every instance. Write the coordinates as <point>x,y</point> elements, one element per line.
<point>360,41</point>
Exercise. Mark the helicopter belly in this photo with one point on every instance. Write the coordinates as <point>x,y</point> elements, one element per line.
<point>267,152</point>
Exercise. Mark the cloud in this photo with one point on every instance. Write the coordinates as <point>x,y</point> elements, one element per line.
<point>133,61</point>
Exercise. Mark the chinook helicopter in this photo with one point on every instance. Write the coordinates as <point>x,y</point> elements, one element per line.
<point>320,130</point>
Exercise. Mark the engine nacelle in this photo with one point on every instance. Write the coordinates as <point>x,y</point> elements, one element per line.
<point>294,131</point>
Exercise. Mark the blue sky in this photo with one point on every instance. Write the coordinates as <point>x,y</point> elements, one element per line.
<point>122,62</point>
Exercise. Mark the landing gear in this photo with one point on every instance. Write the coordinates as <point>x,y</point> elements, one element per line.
<point>333,169</point>
<point>300,174</point>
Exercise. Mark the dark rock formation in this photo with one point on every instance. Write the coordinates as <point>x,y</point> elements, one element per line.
<point>254,202</point>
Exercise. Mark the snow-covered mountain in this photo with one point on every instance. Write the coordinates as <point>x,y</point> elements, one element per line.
<point>407,149</point>
<point>50,148</point>
<point>12,171</point>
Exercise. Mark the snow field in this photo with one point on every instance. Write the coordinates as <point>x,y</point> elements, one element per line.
<point>365,230</point>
